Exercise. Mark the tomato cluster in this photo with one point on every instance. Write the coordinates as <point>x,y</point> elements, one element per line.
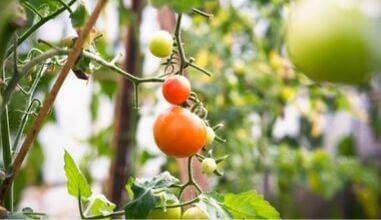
<point>178,132</point>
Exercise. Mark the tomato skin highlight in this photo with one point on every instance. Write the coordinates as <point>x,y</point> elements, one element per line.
<point>176,89</point>
<point>172,213</point>
<point>195,213</point>
<point>179,133</point>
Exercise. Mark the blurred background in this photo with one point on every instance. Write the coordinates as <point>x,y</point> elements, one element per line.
<point>313,150</point>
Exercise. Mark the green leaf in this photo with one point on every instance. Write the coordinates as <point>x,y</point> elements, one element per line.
<point>76,181</point>
<point>249,205</point>
<point>210,203</point>
<point>99,205</point>
<point>79,16</point>
<point>143,194</point>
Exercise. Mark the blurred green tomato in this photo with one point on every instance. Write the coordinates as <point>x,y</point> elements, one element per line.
<point>333,40</point>
<point>195,213</point>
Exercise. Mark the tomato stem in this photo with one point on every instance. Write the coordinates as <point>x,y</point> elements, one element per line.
<point>202,13</point>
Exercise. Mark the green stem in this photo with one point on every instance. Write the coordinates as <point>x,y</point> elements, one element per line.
<point>23,122</point>
<point>26,68</point>
<point>197,11</point>
<point>179,43</point>
<point>65,5</point>
<point>200,69</point>
<point>7,154</point>
<point>179,205</point>
<point>5,133</point>
<point>191,181</point>
<point>41,22</point>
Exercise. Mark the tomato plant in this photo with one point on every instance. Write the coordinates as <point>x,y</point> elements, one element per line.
<point>252,91</point>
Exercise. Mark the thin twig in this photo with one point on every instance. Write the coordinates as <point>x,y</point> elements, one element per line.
<point>50,98</point>
<point>179,44</point>
<point>180,204</point>
<point>202,13</point>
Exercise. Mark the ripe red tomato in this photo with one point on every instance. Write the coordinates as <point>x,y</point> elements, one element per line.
<point>179,133</point>
<point>176,89</point>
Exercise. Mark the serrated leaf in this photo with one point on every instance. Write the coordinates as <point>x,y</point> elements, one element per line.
<point>99,205</point>
<point>249,205</point>
<point>142,193</point>
<point>209,203</point>
<point>79,16</point>
<point>76,181</point>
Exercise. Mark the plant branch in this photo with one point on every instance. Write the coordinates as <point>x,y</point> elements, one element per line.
<point>202,13</point>
<point>5,131</point>
<point>49,100</point>
<point>26,68</point>
<point>179,43</point>
<point>41,22</point>
<point>109,64</point>
<point>122,212</point>
<point>184,62</point>
<point>191,181</point>
<point>180,204</point>
<point>200,69</point>
<point>65,6</point>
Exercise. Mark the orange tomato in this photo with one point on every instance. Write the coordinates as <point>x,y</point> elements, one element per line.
<point>176,89</point>
<point>179,133</point>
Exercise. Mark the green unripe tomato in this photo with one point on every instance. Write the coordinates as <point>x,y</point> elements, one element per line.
<point>195,213</point>
<point>169,213</point>
<point>332,40</point>
<point>161,44</point>
<point>208,165</point>
<point>172,213</point>
<point>210,135</point>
